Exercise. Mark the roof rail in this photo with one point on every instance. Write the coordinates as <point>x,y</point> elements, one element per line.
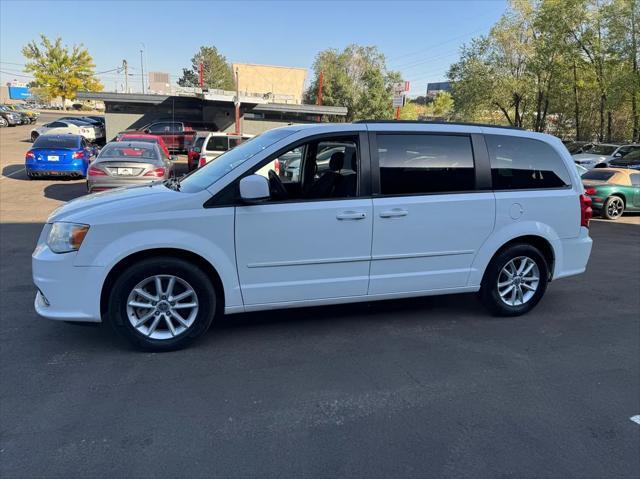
<point>425,122</point>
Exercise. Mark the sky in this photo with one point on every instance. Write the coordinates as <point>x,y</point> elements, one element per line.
<point>419,38</point>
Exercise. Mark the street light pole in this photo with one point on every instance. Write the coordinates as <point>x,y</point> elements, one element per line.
<point>125,65</point>
<point>142,69</point>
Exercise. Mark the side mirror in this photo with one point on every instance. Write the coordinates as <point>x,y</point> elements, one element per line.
<point>254,189</point>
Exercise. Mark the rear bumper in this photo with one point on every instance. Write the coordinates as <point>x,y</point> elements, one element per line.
<point>574,255</point>
<point>77,169</point>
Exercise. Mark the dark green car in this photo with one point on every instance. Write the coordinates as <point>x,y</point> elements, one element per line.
<point>613,191</point>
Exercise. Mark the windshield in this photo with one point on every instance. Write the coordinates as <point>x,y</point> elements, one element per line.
<point>598,175</point>
<point>50,141</point>
<point>204,177</point>
<point>601,149</point>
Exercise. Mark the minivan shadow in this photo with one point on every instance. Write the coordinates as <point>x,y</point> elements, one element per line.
<point>455,306</point>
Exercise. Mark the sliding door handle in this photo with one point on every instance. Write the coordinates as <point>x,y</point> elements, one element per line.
<point>351,215</point>
<point>394,213</point>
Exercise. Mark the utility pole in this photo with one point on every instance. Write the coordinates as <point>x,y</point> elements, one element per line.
<point>125,65</point>
<point>319,95</point>
<point>142,69</point>
<point>201,74</point>
<point>237,104</point>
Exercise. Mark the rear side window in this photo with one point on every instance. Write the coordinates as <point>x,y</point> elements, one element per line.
<point>523,163</point>
<point>423,164</point>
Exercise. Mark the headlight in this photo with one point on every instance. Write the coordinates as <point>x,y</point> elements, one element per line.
<point>66,237</point>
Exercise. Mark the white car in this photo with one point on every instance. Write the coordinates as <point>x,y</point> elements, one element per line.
<point>403,210</point>
<point>598,154</point>
<point>217,143</point>
<point>90,132</point>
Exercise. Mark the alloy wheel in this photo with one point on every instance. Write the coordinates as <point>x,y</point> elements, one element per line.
<point>518,281</point>
<point>615,207</point>
<point>162,306</point>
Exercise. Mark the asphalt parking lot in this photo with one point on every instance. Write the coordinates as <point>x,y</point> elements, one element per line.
<point>432,387</point>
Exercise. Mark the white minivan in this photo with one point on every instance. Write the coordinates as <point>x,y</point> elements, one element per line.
<point>401,209</point>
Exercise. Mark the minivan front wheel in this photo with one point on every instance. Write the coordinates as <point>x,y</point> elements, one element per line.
<point>515,280</point>
<point>162,304</point>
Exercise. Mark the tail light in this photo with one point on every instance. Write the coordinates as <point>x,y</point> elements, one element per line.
<point>276,166</point>
<point>202,161</point>
<point>95,171</point>
<point>30,155</point>
<point>156,172</point>
<point>77,154</point>
<point>586,212</point>
<point>590,191</point>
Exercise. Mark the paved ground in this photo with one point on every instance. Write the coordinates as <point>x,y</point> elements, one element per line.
<point>421,388</point>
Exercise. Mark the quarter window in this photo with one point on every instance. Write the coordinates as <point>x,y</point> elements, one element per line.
<point>635,179</point>
<point>523,163</point>
<point>423,164</point>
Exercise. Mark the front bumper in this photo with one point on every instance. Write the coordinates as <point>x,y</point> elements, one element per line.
<point>65,292</point>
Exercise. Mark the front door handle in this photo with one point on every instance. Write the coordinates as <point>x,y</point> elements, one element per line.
<point>394,213</point>
<point>351,215</point>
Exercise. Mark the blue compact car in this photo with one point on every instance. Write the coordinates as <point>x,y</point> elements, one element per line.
<point>59,155</point>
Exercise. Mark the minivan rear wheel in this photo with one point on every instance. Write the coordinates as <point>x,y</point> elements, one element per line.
<point>162,304</point>
<point>515,280</point>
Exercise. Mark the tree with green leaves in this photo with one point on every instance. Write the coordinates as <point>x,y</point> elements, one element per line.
<point>58,70</point>
<point>356,78</point>
<point>568,67</point>
<point>217,71</point>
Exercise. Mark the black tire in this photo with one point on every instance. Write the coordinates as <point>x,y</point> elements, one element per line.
<point>34,136</point>
<point>205,293</point>
<point>489,294</point>
<point>613,208</point>
<point>30,175</point>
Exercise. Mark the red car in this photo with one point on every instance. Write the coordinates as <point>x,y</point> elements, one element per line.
<point>177,135</point>
<point>147,138</point>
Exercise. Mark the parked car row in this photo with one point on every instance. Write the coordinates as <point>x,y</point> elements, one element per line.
<point>91,128</point>
<point>14,115</point>
<point>599,155</point>
<point>132,159</point>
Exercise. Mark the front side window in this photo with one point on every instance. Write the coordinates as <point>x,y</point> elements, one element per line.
<point>313,171</point>
<point>421,164</point>
<point>523,163</point>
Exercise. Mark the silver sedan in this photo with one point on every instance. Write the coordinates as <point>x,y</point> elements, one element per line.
<point>128,163</point>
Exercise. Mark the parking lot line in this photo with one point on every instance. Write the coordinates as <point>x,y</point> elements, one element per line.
<point>636,418</point>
